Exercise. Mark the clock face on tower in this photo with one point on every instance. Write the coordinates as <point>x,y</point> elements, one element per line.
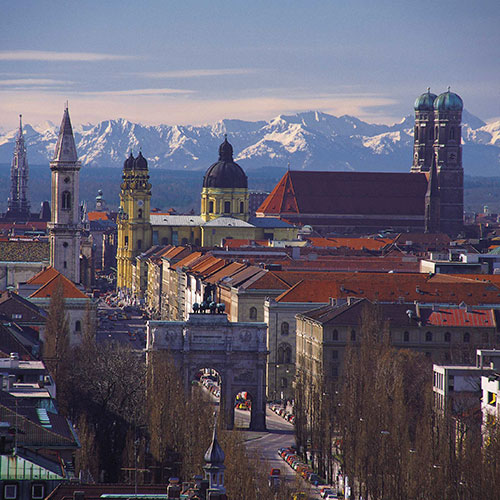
<point>140,203</point>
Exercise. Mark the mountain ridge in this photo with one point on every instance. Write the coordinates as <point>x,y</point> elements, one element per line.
<point>311,140</point>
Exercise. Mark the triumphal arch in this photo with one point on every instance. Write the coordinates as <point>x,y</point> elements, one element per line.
<point>237,351</point>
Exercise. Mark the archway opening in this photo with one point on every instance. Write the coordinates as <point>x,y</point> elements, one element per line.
<point>242,406</point>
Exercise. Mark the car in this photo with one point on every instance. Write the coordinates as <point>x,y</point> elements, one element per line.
<point>325,492</point>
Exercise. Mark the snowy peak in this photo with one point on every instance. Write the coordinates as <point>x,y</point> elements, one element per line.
<point>309,140</point>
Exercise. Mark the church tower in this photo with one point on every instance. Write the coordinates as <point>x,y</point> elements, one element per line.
<point>134,227</point>
<point>448,156</point>
<point>423,137</point>
<point>18,204</point>
<point>225,188</point>
<point>65,227</point>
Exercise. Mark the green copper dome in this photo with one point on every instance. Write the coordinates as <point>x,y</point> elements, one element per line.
<point>425,102</point>
<point>448,101</point>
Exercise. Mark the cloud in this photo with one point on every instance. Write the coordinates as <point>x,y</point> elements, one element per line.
<point>137,92</point>
<point>40,55</point>
<point>33,81</point>
<point>151,106</point>
<point>197,73</point>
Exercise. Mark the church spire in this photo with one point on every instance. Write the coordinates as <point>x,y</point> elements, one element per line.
<point>65,148</point>
<point>214,468</point>
<point>18,205</point>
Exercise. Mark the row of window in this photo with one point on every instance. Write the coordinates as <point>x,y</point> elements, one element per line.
<point>11,491</point>
<point>429,336</point>
<point>227,207</point>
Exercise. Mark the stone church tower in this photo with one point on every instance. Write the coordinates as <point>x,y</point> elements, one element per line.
<point>438,139</point>
<point>65,227</point>
<point>135,234</point>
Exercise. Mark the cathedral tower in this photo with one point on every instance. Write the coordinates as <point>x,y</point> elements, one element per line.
<point>225,188</point>
<point>18,205</point>
<point>134,227</point>
<point>423,137</point>
<point>65,228</point>
<point>438,144</point>
<point>448,155</point>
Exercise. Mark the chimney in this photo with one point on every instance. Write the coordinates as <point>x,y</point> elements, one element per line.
<point>14,360</point>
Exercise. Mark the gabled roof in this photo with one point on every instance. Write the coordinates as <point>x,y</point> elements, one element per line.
<point>355,243</point>
<point>97,216</point>
<point>70,291</point>
<point>226,271</point>
<point>186,261</point>
<point>43,276</point>
<point>350,193</point>
<point>10,300</point>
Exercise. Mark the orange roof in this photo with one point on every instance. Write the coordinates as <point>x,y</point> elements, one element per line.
<point>355,243</point>
<point>70,291</point>
<point>238,243</point>
<point>97,216</point>
<point>43,276</point>
<point>228,270</point>
<point>187,260</point>
<point>395,287</point>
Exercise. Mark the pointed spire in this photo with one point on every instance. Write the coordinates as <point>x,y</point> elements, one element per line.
<point>65,148</point>
<point>215,455</point>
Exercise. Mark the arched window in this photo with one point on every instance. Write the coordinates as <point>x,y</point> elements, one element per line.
<point>78,326</point>
<point>285,328</point>
<point>353,335</point>
<point>466,337</point>
<point>447,337</point>
<point>139,213</point>
<point>335,335</point>
<point>281,354</point>
<point>227,207</point>
<point>66,200</point>
<point>211,207</point>
<point>452,133</point>
<point>253,313</point>
<point>428,336</point>
<point>406,336</point>
<point>288,354</point>
<point>139,244</point>
<point>242,207</point>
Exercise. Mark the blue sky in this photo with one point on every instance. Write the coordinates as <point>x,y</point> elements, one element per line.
<point>198,61</point>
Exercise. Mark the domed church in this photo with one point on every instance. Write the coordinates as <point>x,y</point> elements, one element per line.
<point>429,198</point>
<point>225,188</point>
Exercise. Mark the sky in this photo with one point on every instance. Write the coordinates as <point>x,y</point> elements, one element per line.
<point>199,61</point>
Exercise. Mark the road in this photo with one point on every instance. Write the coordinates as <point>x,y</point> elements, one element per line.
<point>265,445</point>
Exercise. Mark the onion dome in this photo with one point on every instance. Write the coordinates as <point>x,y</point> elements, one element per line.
<point>140,162</point>
<point>129,162</point>
<point>225,173</point>
<point>425,102</point>
<point>449,101</point>
<point>215,454</point>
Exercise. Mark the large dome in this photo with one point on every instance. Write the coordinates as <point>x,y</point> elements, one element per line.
<point>425,102</point>
<point>448,101</point>
<point>140,162</point>
<point>129,162</point>
<point>225,173</point>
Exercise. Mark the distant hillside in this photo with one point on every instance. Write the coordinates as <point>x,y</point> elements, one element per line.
<point>308,141</point>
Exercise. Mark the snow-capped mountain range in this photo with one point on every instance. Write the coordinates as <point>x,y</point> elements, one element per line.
<point>309,141</point>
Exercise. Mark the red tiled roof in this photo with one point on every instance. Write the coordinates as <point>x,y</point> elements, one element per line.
<point>355,243</point>
<point>228,270</point>
<point>189,259</point>
<point>70,291</point>
<point>355,193</point>
<point>461,317</point>
<point>43,276</point>
<point>97,216</point>
<point>388,287</point>
<point>238,243</point>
